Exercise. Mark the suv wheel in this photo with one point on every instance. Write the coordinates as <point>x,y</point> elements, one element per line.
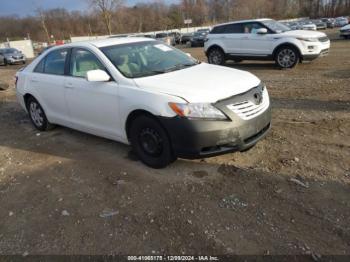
<point>216,56</point>
<point>150,142</point>
<point>287,57</point>
<point>37,115</point>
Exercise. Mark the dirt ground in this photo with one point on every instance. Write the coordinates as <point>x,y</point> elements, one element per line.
<point>65,192</point>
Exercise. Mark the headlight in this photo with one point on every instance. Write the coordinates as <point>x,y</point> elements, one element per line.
<point>310,39</point>
<point>197,110</point>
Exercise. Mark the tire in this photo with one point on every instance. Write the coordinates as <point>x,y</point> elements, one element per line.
<point>150,142</point>
<point>216,56</point>
<point>37,115</point>
<point>5,62</point>
<point>287,57</point>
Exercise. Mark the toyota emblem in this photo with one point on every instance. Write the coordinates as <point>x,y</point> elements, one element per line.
<point>258,98</point>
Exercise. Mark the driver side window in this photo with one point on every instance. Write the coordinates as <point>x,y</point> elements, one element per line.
<point>83,61</point>
<point>252,28</point>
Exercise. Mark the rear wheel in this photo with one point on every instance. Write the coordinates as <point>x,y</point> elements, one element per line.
<point>216,56</point>
<point>37,115</point>
<point>5,62</point>
<point>150,142</point>
<point>287,57</point>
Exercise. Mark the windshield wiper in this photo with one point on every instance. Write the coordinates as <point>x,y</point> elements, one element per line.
<point>178,67</point>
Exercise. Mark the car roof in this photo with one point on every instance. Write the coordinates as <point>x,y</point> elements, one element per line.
<point>109,41</point>
<point>245,21</point>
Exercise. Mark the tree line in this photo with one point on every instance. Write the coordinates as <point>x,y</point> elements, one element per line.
<point>116,17</point>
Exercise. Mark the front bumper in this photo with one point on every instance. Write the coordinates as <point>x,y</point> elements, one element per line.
<point>193,139</point>
<point>345,33</point>
<point>197,42</point>
<point>313,50</point>
<point>16,61</point>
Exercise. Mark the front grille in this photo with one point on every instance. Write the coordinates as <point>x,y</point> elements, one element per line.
<point>323,39</point>
<point>248,109</point>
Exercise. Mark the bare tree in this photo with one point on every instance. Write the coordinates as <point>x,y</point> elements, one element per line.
<point>42,18</point>
<point>106,8</point>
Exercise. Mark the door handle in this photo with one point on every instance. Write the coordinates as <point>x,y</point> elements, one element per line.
<point>34,80</point>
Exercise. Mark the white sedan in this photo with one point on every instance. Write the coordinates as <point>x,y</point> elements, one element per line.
<point>163,102</point>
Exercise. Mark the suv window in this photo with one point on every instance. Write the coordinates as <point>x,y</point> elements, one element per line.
<point>55,62</point>
<point>83,61</point>
<point>228,29</point>
<point>251,28</point>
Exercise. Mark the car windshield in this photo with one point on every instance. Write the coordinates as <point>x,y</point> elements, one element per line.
<point>10,51</point>
<point>147,58</point>
<point>275,26</point>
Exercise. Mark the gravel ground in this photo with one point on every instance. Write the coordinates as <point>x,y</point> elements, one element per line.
<point>65,192</point>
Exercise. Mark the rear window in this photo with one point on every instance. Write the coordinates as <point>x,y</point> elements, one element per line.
<point>228,29</point>
<point>53,63</point>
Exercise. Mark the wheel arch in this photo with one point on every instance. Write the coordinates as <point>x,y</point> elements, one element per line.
<point>135,114</point>
<point>286,45</point>
<point>26,97</point>
<point>215,46</point>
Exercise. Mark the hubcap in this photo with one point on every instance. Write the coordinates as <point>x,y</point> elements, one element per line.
<point>215,57</point>
<point>151,142</point>
<point>287,58</point>
<point>36,114</point>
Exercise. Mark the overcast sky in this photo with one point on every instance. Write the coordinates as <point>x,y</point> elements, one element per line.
<point>27,7</point>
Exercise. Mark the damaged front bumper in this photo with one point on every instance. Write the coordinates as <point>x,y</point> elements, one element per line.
<point>193,139</point>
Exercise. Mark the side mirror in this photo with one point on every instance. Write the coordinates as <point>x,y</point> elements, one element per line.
<point>97,76</point>
<point>261,31</point>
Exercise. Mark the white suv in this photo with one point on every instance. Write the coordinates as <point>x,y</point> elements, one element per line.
<point>141,91</point>
<point>264,39</point>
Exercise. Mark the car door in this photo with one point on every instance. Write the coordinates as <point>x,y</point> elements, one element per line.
<point>47,82</point>
<point>231,36</point>
<point>93,106</point>
<point>254,44</point>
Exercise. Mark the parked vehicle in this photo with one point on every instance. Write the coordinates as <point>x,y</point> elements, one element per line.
<point>185,38</point>
<point>176,36</point>
<point>308,25</point>
<point>2,59</point>
<point>10,56</point>
<point>341,21</point>
<point>330,22</point>
<point>264,39</point>
<point>320,25</point>
<point>345,31</point>
<point>199,38</point>
<point>151,95</point>
<point>294,26</point>
<point>166,38</point>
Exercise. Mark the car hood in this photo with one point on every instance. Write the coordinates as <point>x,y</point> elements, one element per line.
<point>202,83</point>
<point>347,27</point>
<point>304,33</point>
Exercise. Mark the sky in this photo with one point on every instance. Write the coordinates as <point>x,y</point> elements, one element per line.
<point>28,7</point>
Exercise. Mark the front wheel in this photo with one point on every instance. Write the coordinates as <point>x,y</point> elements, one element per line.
<point>37,115</point>
<point>287,57</point>
<point>150,142</point>
<point>216,56</point>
